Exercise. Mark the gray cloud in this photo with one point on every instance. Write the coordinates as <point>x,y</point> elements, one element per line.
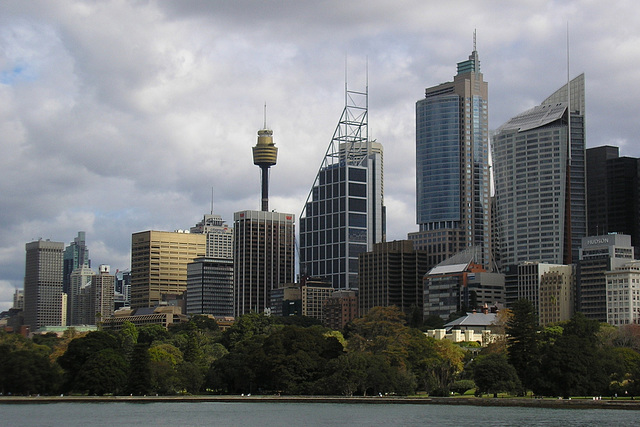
<point>117,117</point>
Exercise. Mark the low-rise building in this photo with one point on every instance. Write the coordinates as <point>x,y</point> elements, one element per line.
<point>161,315</point>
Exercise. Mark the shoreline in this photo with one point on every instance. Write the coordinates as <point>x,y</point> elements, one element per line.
<point>466,401</point>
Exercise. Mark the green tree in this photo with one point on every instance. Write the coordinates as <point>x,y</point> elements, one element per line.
<point>245,327</point>
<point>381,331</point>
<point>433,321</point>
<point>27,372</point>
<point>104,372</point>
<point>494,374</point>
<point>237,371</point>
<point>523,342</point>
<point>438,370</point>
<point>163,365</point>
<point>128,337</point>
<point>574,365</point>
<point>191,377</point>
<point>348,374</point>
<point>148,334</point>
<point>139,378</point>
<point>80,350</point>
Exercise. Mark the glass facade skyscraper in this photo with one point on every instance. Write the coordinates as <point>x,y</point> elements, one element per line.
<point>452,166</point>
<point>344,214</point>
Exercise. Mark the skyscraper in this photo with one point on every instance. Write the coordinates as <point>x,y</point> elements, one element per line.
<point>80,279</point>
<point>599,254</point>
<point>210,286</point>
<point>452,166</point>
<point>43,298</point>
<point>263,257</point>
<point>219,236</point>
<point>344,214</point>
<point>159,264</point>
<point>102,293</point>
<point>392,274</point>
<point>75,255</point>
<point>264,244</point>
<point>613,194</point>
<point>540,180</point>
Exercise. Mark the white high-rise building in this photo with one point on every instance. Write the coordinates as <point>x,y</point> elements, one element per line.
<point>219,236</point>
<point>540,181</point>
<point>623,294</point>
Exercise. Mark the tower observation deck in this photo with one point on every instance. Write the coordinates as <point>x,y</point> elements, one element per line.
<point>265,154</point>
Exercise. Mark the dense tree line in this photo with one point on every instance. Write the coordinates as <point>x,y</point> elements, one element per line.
<point>383,352</point>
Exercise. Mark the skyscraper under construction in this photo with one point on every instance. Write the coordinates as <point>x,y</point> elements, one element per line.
<point>344,214</point>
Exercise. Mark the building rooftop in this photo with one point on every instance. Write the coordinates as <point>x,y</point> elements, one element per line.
<point>535,117</point>
<point>472,319</point>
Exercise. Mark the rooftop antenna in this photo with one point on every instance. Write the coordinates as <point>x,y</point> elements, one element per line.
<point>474,40</point>
<point>346,85</point>
<point>265,115</point>
<point>568,97</point>
<point>212,200</point>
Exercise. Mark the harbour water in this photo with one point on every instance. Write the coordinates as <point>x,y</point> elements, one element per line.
<point>173,414</point>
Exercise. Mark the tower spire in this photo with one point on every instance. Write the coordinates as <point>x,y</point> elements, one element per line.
<point>265,155</point>
<point>474,40</point>
<point>265,115</point>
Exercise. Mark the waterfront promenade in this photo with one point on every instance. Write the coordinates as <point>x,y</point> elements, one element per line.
<point>580,403</point>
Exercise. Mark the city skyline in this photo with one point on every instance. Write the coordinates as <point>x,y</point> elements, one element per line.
<point>120,118</point>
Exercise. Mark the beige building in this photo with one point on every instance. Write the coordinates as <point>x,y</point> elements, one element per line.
<point>340,308</point>
<point>623,294</point>
<point>159,264</point>
<point>314,292</point>
<point>557,294</point>
<point>163,315</point>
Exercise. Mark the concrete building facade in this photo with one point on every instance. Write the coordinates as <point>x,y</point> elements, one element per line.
<point>340,308</point>
<point>210,286</point>
<point>219,236</point>
<point>598,255</point>
<point>159,264</point>
<point>540,187</point>
<point>623,294</point>
<point>391,274</point>
<point>263,257</point>
<point>43,296</point>
<point>557,295</point>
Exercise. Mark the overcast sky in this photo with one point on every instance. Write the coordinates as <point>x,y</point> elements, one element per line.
<point>120,116</point>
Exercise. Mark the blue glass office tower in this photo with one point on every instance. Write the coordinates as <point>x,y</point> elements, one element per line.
<point>452,167</point>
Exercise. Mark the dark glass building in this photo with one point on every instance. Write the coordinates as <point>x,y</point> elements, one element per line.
<point>613,194</point>
<point>344,214</point>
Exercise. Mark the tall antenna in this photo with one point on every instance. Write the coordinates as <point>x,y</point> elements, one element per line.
<point>474,40</point>
<point>212,200</point>
<point>568,97</point>
<point>265,115</point>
